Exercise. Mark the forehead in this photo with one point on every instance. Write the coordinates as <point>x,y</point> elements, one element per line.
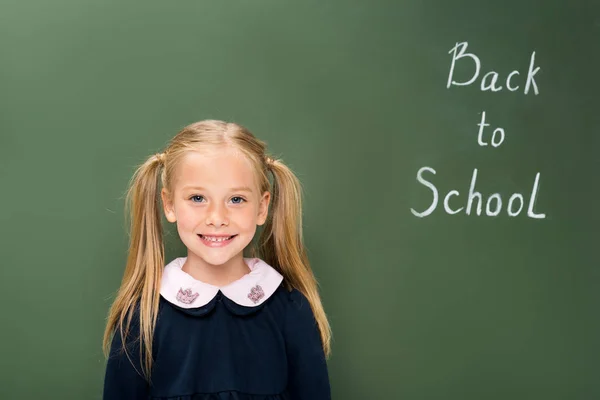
<point>215,169</point>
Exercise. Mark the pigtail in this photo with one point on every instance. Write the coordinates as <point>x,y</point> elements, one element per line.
<point>140,285</point>
<point>282,245</point>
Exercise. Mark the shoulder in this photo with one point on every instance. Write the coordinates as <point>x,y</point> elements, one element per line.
<point>130,324</point>
<point>289,295</point>
<point>298,310</point>
<point>290,298</point>
<point>290,304</point>
<point>298,301</point>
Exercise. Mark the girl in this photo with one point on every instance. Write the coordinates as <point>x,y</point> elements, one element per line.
<point>215,324</point>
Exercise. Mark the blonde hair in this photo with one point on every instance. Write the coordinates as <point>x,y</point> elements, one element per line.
<point>280,245</point>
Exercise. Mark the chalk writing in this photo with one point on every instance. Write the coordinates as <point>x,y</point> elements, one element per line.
<point>493,204</point>
<point>495,142</point>
<point>458,52</point>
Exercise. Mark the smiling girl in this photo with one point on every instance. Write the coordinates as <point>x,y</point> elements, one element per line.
<point>215,324</point>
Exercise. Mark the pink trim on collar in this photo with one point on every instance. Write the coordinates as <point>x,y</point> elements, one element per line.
<point>250,290</point>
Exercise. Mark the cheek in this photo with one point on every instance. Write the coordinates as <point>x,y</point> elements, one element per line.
<point>187,218</point>
<point>249,218</point>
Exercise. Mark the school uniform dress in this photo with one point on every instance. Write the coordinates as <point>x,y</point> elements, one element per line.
<point>250,340</point>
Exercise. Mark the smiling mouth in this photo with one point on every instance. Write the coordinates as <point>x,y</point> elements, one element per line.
<point>216,239</point>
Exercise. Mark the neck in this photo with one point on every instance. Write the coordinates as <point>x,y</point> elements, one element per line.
<point>216,275</point>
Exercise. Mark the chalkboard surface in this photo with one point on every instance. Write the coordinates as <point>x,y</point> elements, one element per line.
<point>448,152</point>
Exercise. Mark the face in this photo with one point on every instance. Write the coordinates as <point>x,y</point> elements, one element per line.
<point>216,196</point>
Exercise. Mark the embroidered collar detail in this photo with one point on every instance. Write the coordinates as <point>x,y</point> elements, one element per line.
<point>251,290</point>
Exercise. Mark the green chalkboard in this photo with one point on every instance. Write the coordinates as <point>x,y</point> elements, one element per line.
<point>451,204</point>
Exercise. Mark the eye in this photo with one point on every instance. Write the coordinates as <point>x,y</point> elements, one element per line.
<point>238,197</point>
<point>196,196</point>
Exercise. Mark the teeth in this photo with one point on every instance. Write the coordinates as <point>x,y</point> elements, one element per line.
<point>214,239</point>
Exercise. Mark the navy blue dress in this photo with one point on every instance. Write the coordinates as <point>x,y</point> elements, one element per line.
<point>224,350</point>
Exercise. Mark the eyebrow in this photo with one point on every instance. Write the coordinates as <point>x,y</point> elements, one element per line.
<point>235,189</point>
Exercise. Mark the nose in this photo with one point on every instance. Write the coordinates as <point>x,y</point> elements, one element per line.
<point>217,215</point>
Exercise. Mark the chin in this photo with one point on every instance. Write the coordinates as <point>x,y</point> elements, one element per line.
<point>215,260</point>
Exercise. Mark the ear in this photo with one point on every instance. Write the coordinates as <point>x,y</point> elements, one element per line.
<point>168,206</point>
<point>263,208</point>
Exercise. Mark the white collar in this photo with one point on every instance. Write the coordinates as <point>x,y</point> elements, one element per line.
<point>251,290</point>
